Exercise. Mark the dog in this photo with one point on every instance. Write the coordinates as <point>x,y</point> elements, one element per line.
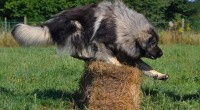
<point>106,31</point>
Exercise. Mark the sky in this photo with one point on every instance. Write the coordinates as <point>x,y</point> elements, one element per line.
<point>191,0</point>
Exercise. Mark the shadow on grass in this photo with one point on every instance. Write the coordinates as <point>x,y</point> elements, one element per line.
<point>173,95</point>
<point>53,94</point>
<point>75,98</point>
<point>6,91</point>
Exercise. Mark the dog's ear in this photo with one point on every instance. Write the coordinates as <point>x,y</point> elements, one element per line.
<point>153,33</point>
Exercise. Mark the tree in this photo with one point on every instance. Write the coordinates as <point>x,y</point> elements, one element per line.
<point>154,10</point>
<point>196,6</point>
<point>179,9</point>
<point>37,10</point>
<point>2,2</point>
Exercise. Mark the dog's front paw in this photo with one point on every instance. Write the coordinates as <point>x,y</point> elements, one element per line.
<point>161,77</point>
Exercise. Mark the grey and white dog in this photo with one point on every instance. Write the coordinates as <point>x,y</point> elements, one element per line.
<point>106,31</point>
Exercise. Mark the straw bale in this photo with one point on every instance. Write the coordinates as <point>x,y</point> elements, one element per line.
<point>110,87</point>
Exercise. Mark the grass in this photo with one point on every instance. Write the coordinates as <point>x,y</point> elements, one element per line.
<point>38,78</point>
<point>182,90</point>
<point>35,78</point>
<point>7,41</point>
<point>166,37</point>
<point>173,37</point>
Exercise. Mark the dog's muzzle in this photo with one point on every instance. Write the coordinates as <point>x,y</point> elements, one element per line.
<point>154,53</point>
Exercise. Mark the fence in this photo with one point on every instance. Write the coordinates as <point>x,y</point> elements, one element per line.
<point>182,25</point>
<point>6,27</point>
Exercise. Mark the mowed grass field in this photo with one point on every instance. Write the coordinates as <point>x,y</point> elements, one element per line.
<point>37,78</point>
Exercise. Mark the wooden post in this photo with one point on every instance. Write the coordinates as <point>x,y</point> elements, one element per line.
<point>25,20</point>
<point>5,24</point>
<point>183,26</point>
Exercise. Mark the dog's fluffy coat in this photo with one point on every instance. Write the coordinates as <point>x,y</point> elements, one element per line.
<point>104,31</point>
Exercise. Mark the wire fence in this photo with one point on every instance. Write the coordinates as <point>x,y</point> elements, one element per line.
<point>192,26</point>
<point>181,25</point>
<point>6,27</point>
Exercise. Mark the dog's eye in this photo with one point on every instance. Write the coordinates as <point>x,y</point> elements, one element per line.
<point>152,43</point>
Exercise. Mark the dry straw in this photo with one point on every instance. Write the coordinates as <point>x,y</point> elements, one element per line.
<point>7,41</point>
<point>110,87</point>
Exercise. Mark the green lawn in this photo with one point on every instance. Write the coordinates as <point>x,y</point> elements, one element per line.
<point>38,78</point>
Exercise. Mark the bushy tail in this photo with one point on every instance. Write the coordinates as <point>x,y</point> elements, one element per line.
<point>31,35</point>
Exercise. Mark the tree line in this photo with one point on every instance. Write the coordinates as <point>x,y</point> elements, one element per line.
<point>154,10</point>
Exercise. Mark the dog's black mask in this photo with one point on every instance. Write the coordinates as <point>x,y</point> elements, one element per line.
<point>148,44</point>
<point>153,51</point>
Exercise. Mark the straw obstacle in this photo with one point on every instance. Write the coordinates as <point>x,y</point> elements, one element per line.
<point>110,87</point>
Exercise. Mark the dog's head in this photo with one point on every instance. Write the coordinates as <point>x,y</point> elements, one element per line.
<point>148,43</point>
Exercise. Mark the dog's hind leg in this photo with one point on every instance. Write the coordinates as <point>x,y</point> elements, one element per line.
<point>149,71</point>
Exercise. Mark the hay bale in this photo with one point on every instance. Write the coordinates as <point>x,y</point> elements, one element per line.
<point>110,87</point>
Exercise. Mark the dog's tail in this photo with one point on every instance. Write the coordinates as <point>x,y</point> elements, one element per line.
<point>31,35</point>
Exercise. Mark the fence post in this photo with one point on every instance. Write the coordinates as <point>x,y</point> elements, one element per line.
<point>25,20</point>
<point>183,25</point>
<point>5,21</point>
